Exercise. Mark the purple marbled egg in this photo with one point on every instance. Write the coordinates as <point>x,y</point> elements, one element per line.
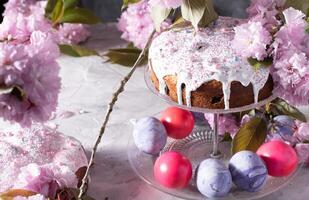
<point>282,128</point>
<point>248,171</point>
<point>149,135</point>
<point>213,178</point>
<point>199,118</point>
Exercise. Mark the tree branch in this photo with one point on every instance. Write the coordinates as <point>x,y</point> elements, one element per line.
<point>83,187</point>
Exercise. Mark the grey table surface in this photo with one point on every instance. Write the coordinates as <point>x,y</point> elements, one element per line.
<point>88,84</point>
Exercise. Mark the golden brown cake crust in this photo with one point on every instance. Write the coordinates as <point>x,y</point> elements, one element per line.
<point>210,94</point>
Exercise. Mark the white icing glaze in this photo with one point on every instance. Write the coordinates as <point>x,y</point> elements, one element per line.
<point>198,57</point>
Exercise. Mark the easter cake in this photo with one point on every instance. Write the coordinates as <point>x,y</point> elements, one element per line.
<point>30,156</point>
<point>200,69</point>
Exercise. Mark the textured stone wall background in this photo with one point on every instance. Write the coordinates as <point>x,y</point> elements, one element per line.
<point>109,10</point>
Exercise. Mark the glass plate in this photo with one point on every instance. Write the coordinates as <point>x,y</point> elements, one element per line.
<point>196,147</point>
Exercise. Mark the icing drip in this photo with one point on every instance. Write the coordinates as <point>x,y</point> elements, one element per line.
<point>198,57</point>
<point>226,88</point>
<point>179,92</point>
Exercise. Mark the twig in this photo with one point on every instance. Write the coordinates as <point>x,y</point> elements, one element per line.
<point>83,187</point>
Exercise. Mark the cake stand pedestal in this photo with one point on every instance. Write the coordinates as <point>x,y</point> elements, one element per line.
<point>201,144</point>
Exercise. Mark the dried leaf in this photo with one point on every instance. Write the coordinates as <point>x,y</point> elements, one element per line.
<point>79,15</point>
<point>251,136</point>
<point>281,107</point>
<point>158,15</point>
<point>11,194</point>
<point>71,194</point>
<point>80,173</point>
<point>209,15</point>
<point>128,2</point>
<point>193,11</point>
<point>125,57</point>
<point>197,11</point>
<point>76,51</point>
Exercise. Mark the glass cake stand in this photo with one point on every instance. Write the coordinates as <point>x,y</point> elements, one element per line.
<point>201,144</point>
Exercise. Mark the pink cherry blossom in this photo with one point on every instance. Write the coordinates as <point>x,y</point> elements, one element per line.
<point>266,11</point>
<point>38,78</point>
<point>18,26</point>
<point>21,6</point>
<point>165,3</point>
<point>43,45</point>
<point>251,40</point>
<point>291,78</point>
<point>292,16</point>
<point>137,25</point>
<point>73,33</point>
<point>227,124</point>
<point>291,37</point>
<point>259,7</point>
<point>46,179</point>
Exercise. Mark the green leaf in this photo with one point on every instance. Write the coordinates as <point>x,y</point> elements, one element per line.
<point>128,2</point>
<point>209,15</point>
<point>226,138</point>
<point>158,15</point>
<point>58,12</point>
<point>70,4</point>
<point>281,107</point>
<point>251,136</point>
<point>256,64</point>
<point>76,51</point>
<point>196,10</point>
<point>125,57</point>
<point>302,5</point>
<point>50,6</point>
<point>79,15</point>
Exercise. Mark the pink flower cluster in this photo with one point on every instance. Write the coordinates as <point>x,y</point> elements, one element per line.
<point>29,73</point>
<point>73,33</point>
<point>251,40</point>
<point>266,12</point>
<point>227,124</point>
<point>46,179</point>
<point>137,25</point>
<point>22,17</point>
<point>33,74</point>
<point>291,65</point>
<point>265,35</point>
